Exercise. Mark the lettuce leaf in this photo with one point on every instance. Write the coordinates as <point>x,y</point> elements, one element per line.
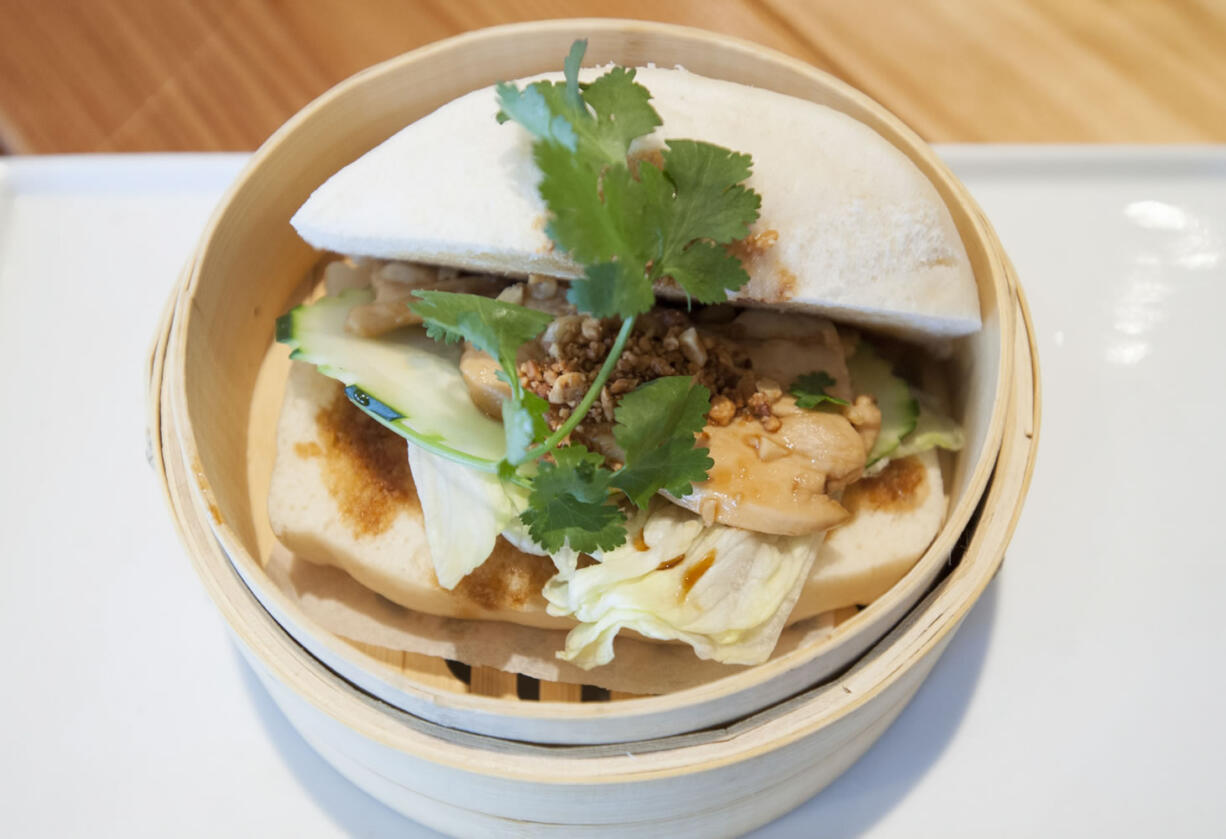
<point>933,429</point>
<point>464,511</point>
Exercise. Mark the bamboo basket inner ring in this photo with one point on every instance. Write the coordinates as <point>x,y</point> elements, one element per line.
<point>249,269</point>
<point>926,628</point>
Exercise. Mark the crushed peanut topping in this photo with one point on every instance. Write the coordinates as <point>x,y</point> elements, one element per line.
<point>664,343</point>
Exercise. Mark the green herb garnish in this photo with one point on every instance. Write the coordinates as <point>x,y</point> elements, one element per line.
<point>630,229</point>
<point>629,224</point>
<point>656,424</point>
<point>570,504</point>
<point>810,390</point>
<point>499,329</point>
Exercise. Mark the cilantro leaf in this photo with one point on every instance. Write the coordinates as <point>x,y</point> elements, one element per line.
<point>609,237</point>
<point>611,288</point>
<point>810,390</point>
<point>701,206</point>
<point>655,427</point>
<point>623,114</point>
<point>498,329</point>
<point>491,325</point>
<point>523,419</point>
<point>569,504</point>
<point>710,202</point>
<point>570,69</point>
<point>673,467</point>
<point>494,326</point>
<point>579,222</point>
<point>705,271</point>
<point>653,413</point>
<point>596,121</point>
<point>631,231</point>
<point>530,108</point>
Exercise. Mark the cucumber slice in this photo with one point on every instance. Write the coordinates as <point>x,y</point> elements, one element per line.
<point>872,374</point>
<point>933,430</point>
<point>405,380</point>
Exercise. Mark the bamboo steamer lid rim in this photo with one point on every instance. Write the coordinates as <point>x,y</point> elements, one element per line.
<point>863,108</point>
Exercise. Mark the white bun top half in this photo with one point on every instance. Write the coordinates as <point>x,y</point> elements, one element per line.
<point>859,233</point>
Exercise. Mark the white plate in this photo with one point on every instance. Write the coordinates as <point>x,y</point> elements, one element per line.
<point>1081,696</point>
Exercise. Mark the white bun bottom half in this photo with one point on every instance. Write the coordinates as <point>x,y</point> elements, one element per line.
<point>321,476</point>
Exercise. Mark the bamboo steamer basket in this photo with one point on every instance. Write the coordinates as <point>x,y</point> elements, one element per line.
<point>215,395</point>
<point>719,782</point>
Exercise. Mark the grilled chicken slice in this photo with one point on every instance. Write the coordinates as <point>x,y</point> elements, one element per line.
<point>394,284</point>
<point>779,482</point>
<point>784,346</point>
<point>480,372</point>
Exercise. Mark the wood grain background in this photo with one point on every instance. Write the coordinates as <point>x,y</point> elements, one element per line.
<point>140,75</point>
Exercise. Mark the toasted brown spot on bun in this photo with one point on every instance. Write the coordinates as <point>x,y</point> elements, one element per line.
<point>308,449</point>
<point>901,486</point>
<point>754,244</point>
<point>509,579</point>
<point>785,288</point>
<point>365,467</point>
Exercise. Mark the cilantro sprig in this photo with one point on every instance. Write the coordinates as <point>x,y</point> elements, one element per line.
<point>810,390</point>
<point>630,224</point>
<point>631,229</point>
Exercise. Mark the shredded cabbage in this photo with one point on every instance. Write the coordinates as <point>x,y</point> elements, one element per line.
<point>724,591</point>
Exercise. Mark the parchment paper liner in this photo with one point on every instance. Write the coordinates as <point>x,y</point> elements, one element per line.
<point>345,607</point>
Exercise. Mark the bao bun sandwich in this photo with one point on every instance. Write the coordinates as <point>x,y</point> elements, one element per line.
<point>638,351</point>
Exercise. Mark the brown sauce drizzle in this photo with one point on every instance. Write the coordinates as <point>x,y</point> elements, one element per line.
<point>901,486</point>
<point>640,544</point>
<point>365,467</point>
<point>694,573</point>
<point>670,563</point>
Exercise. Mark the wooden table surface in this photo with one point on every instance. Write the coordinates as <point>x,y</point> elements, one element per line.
<point>141,75</point>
